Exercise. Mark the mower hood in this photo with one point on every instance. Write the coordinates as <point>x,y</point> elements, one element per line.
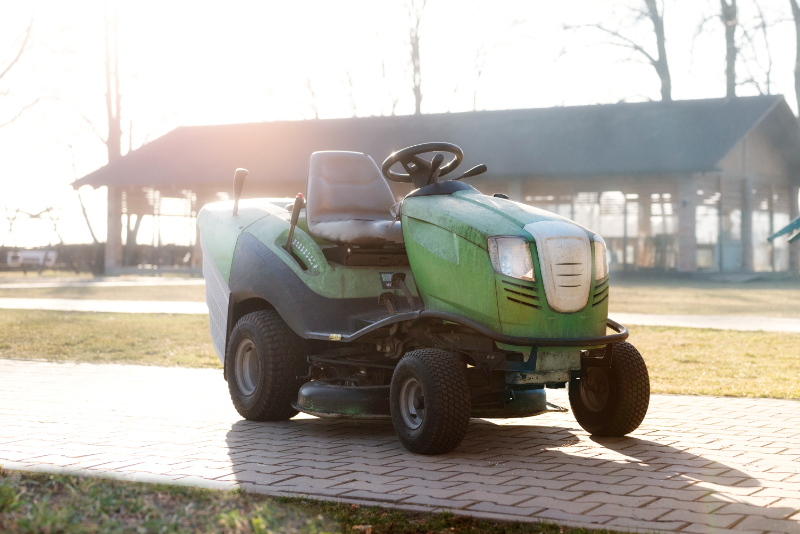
<point>476,217</point>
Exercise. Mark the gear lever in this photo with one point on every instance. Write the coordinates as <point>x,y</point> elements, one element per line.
<point>436,162</point>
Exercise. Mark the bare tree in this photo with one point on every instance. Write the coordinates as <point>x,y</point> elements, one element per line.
<point>751,33</point>
<point>113,92</point>
<point>313,95</point>
<point>728,16</point>
<point>348,78</point>
<point>796,16</point>
<point>394,98</point>
<point>415,11</point>
<point>21,45</point>
<point>654,13</point>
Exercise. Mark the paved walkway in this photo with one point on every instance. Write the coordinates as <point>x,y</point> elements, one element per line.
<point>698,464</point>
<point>717,322</point>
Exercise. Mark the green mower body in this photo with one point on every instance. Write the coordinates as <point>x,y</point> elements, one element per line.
<point>512,297</point>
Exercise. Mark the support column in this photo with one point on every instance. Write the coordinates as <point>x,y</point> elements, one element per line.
<point>687,222</point>
<point>794,212</point>
<point>515,189</point>
<point>747,225</point>
<point>643,251</point>
<point>113,255</point>
<point>197,250</point>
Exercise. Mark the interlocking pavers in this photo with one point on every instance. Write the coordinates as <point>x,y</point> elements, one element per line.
<point>737,472</point>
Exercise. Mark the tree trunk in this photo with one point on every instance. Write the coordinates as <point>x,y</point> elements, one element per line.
<point>415,17</point>
<point>130,241</point>
<point>728,15</point>
<point>113,95</point>
<point>796,14</point>
<point>660,64</point>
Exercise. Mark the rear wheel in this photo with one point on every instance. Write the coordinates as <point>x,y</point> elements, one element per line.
<point>430,401</point>
<point>262,364</point>
<point>612,402</point>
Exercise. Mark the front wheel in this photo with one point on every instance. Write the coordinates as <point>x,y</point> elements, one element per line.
<point>430,401</point>
<point>264,359</point>
<point>612,402</point>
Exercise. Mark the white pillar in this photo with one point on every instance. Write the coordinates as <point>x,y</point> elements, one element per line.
<point>687,220</point>
<point>113,254</point>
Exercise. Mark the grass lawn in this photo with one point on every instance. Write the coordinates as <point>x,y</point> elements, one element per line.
<point>32,502</point>
<point>699,297</point>
<point>680,360</point>
<point>141,338</point>
<point>720,362</point>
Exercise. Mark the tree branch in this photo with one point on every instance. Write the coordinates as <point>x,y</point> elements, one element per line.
<point>628,43</point>
<point>21,51</point>
<point>91,125</point>
<point>18,115</point>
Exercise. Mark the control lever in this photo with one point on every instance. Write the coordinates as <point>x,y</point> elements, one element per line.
<point>298,205</point>
<point>399,280</point>
<point>387,299</point>
<point>436,162</point>
<point>474,171</point>
<point>238,184</point>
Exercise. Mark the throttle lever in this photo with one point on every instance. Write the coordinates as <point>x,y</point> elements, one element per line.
<point>298,205</point>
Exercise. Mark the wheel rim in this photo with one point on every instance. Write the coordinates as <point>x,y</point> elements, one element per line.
<point>412,403</point>
<point>247,369</point>
<point>595,389</point>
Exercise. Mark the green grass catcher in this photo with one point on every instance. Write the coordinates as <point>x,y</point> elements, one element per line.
<point>445,306</point>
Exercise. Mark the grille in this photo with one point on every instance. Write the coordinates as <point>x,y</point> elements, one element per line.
<point>522,294</point>
<point>600,293</point>
<point>565,262</point>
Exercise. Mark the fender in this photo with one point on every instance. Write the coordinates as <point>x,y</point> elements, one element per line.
<point>257,272</point>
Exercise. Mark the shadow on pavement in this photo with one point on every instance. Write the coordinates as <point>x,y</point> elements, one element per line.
<point>549,459</point>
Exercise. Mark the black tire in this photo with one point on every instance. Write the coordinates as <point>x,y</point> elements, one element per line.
<point>269,386</point>
<point>443,417</point>
<point>612,402</point>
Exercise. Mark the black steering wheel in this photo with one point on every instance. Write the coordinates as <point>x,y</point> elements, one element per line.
<point>420,171</point>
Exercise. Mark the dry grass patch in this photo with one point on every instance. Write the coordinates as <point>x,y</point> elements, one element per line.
<point>695,297</point>
<point>140,338</point>
<point>720,362</point>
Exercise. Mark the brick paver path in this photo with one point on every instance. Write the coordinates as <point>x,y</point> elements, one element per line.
<point>697,464</point>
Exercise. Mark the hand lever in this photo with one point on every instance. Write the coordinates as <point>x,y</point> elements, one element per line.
<point>474,171</point>
<point>238,184</point>
<point>298,205</point>
<point>435,164</point>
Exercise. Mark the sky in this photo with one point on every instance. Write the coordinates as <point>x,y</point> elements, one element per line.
<point>188,63</point>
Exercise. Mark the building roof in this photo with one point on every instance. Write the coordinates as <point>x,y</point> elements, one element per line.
<point>613,139</point>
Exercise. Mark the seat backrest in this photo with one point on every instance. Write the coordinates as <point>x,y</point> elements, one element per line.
<point>346,186</point>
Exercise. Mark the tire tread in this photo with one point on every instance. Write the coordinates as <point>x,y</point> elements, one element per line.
<point>284,361</point>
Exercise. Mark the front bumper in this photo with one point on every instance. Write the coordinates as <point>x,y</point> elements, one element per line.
<point>517,341</point>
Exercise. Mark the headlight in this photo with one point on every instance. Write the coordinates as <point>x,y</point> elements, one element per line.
<point>600,258</point>
<point>511,256</point>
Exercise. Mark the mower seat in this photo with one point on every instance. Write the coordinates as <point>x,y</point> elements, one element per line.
<point>348,200</point>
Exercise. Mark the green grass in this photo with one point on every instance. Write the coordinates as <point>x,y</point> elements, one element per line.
<point>680,360</point>
<point>140,338</point>
<point>720,362</point>
<point>696,297</point>
<point>34,502</point>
